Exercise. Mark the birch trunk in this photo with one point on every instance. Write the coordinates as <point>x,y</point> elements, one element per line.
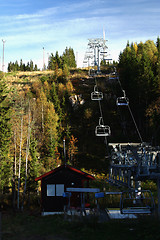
<point>14,170</point>
<point>27,154</point>
<point>19,171</point>
<point>42,118</point>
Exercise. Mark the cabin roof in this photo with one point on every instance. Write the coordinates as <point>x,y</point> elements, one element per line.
<point>86,175</point>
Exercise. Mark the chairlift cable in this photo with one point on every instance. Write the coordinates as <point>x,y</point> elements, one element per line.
<point>131,112</point>
<point>135,124</point>
<point>100,108</point>
<point>102,119</point>
<point>101,113</point>
<point>120,115</point>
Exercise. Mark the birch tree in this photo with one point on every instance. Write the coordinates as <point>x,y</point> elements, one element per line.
<point>20,158</point>
<point>27,153</point>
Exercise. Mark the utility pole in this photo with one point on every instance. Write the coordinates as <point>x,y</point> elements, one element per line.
<point>64,149</point>
<point>77,58</point>
<point>3,55</point>
<point>48,59</point>
<point>43,59</point>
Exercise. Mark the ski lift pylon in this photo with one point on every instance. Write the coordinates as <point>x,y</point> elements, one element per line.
<point>96,95</point>
<point>122,101</point>
<point>102,130</point>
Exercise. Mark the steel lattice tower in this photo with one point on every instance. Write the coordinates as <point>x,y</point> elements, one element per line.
<point>97,45</point>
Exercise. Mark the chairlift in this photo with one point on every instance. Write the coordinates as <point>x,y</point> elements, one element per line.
<point>96,95</point>
<point>113,76</point>
<point>122,101</point>
<point>92,72</point>
<point>137,202</point>
<point>102,130</point>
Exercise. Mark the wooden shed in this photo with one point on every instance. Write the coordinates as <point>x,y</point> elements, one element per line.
<point>54,184</point>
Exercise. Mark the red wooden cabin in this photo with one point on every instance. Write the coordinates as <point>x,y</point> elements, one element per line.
<point>54,184</point>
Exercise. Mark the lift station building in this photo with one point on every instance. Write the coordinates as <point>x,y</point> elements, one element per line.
<point>54,184</point>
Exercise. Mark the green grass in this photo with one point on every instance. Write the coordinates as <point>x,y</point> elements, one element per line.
<point>31,227</point>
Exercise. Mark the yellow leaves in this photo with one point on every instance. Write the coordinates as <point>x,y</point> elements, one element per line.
<point>57,158</point>
<point>36,88</point>
<point>98,176</point>
<point>46,86</point>
<point>61,89</point>
<point>149,47</point>
<point>50,116</point>
<point>88,113</point>
<point>60,72</point>
<point>135,47</point>
<point>153,112</point>
<point>72,148</point>
<point>69,87</point>
<point>151,50</point>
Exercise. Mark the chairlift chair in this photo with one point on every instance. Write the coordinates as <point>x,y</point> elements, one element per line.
<point>122,101</point>
<point>92,72</point>
<point>137,202</point>
<point>113,76</point>
<point>96,95</point>
<point>102,130</point>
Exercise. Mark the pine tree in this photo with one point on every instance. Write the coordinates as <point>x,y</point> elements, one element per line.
<point>69,58</point>
<point>58,60</point>
<point>31,65</point>
<point>65,71</point>
<point>21,65</point>
<point>35,67</point>
<point>5,134</point>
<point>51,64</point>
<point>158,44</point>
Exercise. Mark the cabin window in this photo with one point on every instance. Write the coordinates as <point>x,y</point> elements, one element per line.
<point>55,190</point>
<point>59,190</point>
<point>50,190</point>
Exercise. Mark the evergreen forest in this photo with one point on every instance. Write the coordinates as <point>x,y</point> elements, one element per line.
<point>41,109</point>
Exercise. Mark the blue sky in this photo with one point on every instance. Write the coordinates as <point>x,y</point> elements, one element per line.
<point>29,25</point>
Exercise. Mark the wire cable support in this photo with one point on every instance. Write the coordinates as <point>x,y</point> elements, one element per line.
<point>101,113</point>
<point>131,113</point>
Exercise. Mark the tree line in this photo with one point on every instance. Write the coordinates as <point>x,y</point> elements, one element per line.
<point>15,66</point>
<point>139,71</point>
<point>55,62</point>
<point>66,60</point>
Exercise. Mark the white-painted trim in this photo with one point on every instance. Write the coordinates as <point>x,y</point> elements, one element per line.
<point>51,213</point>
<point>92,190</point>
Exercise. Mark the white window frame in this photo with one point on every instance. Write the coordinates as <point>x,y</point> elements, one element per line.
<point>59,190</point>
<point>55,190</point>
<point>51,190</point>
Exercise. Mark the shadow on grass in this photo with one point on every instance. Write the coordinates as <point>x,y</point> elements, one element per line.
<point>23,226</point>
